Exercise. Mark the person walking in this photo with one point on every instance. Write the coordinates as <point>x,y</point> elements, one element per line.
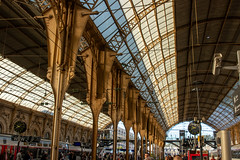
<point>19,156</point>
<point>177,158</point>
<point>212,157</point>
<point>147,157</point>
<point>185,156</point>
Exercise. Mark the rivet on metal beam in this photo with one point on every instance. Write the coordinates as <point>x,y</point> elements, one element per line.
<point>90,13</point>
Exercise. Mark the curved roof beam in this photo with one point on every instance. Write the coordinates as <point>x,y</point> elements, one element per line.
<point>11,80</point>
<point>21,98</point>
<point>137,16</point>
<point>121,35</point>
<point>128,27</point>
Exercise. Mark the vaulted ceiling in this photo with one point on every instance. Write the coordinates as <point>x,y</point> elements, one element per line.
<point>167,47</point>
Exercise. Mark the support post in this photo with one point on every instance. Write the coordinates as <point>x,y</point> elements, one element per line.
<point>127,124</point>
<point>142,147</point>
<point>150,147</point>
<point>64,27</point>
<point>94,135</point>
<point>98,70</point>
<point>159,151</point>
<point>127,144</point>
<point>146,144</point>
<point>115,124</point>
<point>96,106</point>
<point>225,144</point>
<point>155,150</point>
<point>135,140</point>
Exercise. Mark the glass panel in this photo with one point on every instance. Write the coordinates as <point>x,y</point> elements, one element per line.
<point>31,91</point>
<point>224,112</point>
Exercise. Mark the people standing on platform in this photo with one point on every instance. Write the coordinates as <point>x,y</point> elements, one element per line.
<point>147,157</point>
<point>218,157</point>
<point>61,156</point>
<point>26,156</point>
<point>44,156</point>
<point>170,157</point>
<point>11,157</point>
<point>19,156</point>
<point>72,156</point>
<point>212,157</point>
<point>185,157</point>
<point>177,158</point>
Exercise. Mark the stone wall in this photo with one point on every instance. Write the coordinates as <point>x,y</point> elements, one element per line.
<point>39,124</point>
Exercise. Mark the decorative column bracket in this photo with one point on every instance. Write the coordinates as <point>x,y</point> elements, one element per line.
<point>98,66</point>
<point>64,28</point>
<point>151,124</point>
<point>125,79</point>
<point>141,114</point>
<point>132,101</point>
<point>118,91</point>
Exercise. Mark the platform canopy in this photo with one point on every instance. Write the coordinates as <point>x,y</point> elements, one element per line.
<point>166,46</point>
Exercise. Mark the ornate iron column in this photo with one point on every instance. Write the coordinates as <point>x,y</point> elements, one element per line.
<point>65,23</point>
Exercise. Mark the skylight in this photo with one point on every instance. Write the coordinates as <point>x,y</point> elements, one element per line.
<point>223,116</point>
<point>155,40</point>
<point>21,87</point>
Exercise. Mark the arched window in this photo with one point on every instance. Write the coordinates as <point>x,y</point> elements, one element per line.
<point>68,139</point>
<point>76,139</point>
<point>47,135</point>
<point>1,129</point>
<point>35,134</point>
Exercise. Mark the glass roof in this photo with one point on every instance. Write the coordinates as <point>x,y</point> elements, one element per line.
<point>21,87</point>
<point>144,32</point>
<point>223,116</point>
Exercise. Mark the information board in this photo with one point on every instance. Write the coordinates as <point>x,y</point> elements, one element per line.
<point>236,101</point>
<point>26,138</point>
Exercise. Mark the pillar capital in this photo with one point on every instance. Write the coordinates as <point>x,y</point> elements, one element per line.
<point>125,79</point>
<point>124,84</point>
<point>142,104</point>
<point>150,138</point>
<point>147,111</point>
<point>98,65</point>
<point>62,56</point>
<point>142,132</point>
<point>151,116</point>
<point>128,124</point>
<point>132,102</point>
<point>161,144</point>
<point>141,113</point>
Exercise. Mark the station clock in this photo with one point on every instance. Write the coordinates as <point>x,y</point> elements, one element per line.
<point>20,126</point>
<point>193,128</point>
